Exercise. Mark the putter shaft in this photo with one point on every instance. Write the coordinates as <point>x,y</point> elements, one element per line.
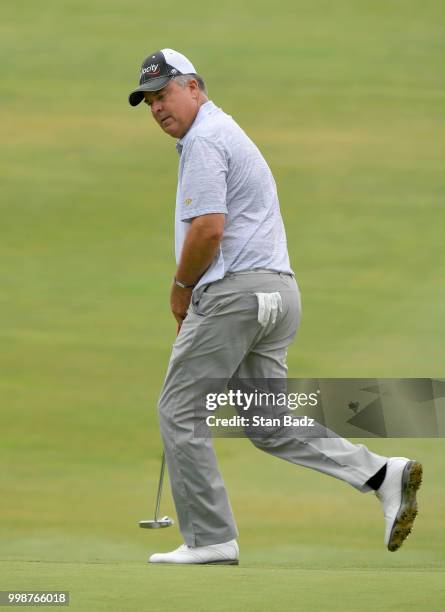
<point>161,480</point>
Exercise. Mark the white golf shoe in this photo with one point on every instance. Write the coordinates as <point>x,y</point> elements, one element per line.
<point>226,553</point>
<point>397,494</point>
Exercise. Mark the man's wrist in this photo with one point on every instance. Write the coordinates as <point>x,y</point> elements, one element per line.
<point>178,283</point>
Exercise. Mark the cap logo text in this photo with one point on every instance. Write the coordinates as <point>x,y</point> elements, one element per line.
<point>152,69</point>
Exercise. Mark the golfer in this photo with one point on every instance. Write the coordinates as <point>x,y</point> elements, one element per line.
<point>237,306</point>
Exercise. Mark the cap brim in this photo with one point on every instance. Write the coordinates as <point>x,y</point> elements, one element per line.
<point>137,95</point>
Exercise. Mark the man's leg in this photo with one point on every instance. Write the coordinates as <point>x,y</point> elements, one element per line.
<point>395,479</point>
<point>217,333</point>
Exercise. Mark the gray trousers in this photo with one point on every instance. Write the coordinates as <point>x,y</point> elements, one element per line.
<point>220,338</point>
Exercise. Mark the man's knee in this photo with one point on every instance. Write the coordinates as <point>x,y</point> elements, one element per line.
<point>266,442</point>
<point>164,413</point>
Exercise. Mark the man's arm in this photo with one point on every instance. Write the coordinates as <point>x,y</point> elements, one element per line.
<point>200,246</point>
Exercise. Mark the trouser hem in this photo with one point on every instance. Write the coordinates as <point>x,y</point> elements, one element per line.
<point>208,539</point>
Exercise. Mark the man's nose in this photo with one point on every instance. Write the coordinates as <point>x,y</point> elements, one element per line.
<point>156,107</point>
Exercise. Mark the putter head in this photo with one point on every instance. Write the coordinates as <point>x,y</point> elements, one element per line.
<point>165,521</point>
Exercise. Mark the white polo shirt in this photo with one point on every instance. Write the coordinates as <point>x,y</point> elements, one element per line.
<point>222,171</point>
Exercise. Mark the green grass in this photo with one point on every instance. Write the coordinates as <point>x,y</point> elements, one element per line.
<point>132,587</point>
<point>345,99</point>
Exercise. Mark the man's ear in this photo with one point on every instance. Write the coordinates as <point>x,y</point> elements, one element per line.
<point>193,84</point>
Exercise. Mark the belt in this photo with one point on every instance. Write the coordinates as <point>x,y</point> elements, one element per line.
<point>262,270</point>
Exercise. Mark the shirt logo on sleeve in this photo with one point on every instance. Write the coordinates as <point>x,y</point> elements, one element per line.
<point>188,201</point>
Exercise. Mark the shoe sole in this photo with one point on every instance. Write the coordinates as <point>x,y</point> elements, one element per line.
<point>411,481</point>
<point>225,562</point>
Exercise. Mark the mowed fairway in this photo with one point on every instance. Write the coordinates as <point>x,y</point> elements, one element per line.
<point>346,101</point>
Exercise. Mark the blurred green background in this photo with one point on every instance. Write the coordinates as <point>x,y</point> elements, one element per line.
<point>346,101</point>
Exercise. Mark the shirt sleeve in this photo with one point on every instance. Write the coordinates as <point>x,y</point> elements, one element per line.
<point>203,184</point>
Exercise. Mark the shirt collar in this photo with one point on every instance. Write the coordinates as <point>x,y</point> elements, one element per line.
<point>205,110</point>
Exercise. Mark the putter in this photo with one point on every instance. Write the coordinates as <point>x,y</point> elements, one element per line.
<point>165,521</point>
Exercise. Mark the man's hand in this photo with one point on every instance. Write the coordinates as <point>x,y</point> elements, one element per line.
<point>179,302</point>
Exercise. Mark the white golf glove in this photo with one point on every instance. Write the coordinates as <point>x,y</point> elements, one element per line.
<point>269,304</point>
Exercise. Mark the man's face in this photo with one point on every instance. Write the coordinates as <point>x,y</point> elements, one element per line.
<point>174,107</point>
